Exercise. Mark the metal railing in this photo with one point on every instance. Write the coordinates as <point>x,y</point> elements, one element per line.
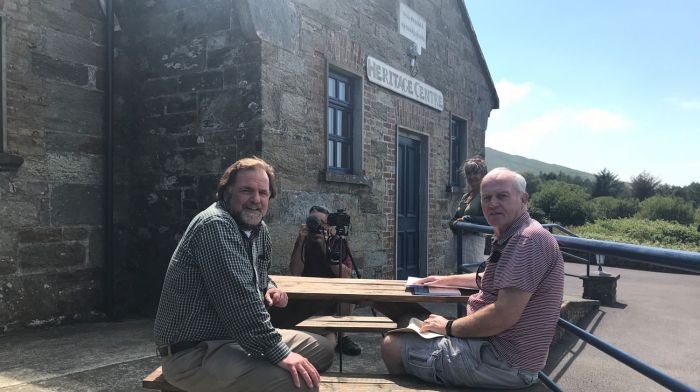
<point>676,259</point>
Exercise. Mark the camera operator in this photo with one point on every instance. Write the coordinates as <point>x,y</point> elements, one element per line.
<point>318,252</point>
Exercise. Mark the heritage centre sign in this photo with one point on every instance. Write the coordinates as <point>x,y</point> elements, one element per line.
<point>397,81</point>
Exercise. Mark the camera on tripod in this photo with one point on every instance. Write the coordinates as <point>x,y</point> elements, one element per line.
<point>341,221</point>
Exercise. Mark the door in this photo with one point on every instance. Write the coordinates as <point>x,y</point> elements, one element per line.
<point>408,211</point>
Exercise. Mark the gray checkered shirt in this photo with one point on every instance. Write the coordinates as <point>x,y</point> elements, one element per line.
<point>212,291</point>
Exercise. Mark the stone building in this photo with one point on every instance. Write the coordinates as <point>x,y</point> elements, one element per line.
<point>367,106</point>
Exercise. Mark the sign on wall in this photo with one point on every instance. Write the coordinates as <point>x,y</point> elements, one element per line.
<point>397,81</point>
<point>412,26</point>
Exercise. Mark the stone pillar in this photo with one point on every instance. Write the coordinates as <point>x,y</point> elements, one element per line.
<point>600,287</point>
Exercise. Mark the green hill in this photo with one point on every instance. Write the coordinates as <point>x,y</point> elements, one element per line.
<point>495,158</point>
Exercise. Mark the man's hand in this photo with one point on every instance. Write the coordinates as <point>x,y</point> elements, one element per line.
<point>434,323</point>
<point>300,366</point>
<point>428,279</point>
<point>276,297</point>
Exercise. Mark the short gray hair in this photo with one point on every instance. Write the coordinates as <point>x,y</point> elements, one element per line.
<point>519,182</point>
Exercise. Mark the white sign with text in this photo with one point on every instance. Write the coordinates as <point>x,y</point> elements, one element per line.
<point>397,81</point>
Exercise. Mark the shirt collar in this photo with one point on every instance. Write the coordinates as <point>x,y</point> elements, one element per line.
<point>517,224</point>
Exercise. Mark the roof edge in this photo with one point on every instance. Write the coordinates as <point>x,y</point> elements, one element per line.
<point>482,60</point>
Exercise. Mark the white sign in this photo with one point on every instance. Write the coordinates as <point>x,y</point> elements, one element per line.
<point>412,26</point>
<point>397,81</point>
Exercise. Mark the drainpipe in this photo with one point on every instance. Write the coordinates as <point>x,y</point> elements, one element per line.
<point>108,278</point>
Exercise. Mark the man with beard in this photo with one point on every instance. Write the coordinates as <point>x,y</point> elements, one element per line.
<point>213,326</point>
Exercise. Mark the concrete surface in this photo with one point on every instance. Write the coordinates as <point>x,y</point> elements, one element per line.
<point>116,356</point>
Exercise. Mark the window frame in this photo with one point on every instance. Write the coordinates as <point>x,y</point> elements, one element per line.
<point>337,105</point>
<point>354,82</point>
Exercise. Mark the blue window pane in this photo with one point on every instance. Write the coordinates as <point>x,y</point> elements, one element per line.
<point>331,154</point>
<point>339,120</point>
<point>330,120</point>
<point>331,87</point>
<point>341,91</point>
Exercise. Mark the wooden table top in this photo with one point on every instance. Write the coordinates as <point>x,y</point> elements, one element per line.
<point>356,290</point>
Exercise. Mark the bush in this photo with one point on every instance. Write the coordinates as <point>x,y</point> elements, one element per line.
<point>671,209</point>
<point>566,204</point>
<point>608,207</point>
<point>697,216</point>
<point>657,233</point>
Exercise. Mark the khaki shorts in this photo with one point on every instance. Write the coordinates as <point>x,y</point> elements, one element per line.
<point>460,362</point>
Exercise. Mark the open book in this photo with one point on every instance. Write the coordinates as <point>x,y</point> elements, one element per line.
<point>421,289</point>
<point>414,326</point>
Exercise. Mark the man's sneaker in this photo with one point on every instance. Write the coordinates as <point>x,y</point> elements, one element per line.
<point>349,347</point>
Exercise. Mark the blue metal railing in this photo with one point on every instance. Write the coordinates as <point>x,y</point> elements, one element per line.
<point>676,259</point>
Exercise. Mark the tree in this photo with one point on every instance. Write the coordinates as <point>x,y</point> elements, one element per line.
<point>672,209</point>
<point>644,185</point>
<point>566,204</point>
<point>606,184</point>
<point>692,192</point>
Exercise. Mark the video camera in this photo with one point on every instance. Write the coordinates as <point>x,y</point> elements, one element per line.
<point>341,221</point>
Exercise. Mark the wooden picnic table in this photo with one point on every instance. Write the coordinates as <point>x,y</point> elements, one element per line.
<point>387,296</point>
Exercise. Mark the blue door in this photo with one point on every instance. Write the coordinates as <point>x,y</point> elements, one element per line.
<point>407,238</point>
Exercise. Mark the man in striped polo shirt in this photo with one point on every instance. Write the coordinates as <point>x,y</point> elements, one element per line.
<point>504,339</point>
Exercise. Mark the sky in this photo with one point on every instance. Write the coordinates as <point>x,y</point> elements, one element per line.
<point>599,84</point>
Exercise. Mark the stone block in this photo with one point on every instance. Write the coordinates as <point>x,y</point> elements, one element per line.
<point>40,235</point>
<point>159,87</point>
<point>75,168</point>
<point>96,248</point>
<point>51,256</point>
<point>74,48</point>
<point>84,23</point>
<point>167,57</point>
<point>59,70</point>
<point>170,104</point>
<point>171,123</point>
<point>74,204</point>
<point>201,81</point>
<point>76,143</point>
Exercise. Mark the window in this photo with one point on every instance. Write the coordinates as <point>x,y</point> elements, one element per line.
<point>458,150</point>
<point>340,123</point>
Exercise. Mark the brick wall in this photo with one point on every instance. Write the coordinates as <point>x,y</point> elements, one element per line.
<point>51,213</point>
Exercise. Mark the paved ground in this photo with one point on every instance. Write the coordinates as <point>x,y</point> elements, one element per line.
<point>657,320</point>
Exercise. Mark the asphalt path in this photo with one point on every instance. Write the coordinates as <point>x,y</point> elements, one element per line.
<point>656,320</point>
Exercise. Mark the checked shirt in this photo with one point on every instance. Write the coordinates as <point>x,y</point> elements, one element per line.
<point>214,287</point>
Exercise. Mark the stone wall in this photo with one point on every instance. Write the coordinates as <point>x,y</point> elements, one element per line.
<point>188,92</point>
<point>198,85</point>
<point>51,206</point>
<point>305,37</point>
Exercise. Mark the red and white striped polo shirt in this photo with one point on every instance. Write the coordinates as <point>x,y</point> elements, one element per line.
<point>530,261</point>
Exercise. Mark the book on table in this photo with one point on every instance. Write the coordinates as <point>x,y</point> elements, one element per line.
<point>431,289</point>
<point>413,326</point>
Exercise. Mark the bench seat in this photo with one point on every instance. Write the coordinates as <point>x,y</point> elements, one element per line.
<point>337,382</point>
<point>349,323</point>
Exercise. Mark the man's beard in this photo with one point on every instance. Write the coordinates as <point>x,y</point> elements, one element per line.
<point>249,218</point>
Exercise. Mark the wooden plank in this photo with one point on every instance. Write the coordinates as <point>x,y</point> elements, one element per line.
<point>349,323</point>
<point>156,381</point>
<point>348,382</point>
<point>355,290</point>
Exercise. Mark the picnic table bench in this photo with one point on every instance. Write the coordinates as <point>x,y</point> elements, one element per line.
<point>334,382</point>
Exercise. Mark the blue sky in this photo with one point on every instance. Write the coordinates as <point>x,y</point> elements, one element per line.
<point>596,84</point>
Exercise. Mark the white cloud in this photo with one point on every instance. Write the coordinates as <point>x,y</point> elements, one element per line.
<point>509,93</point>
<point>601,120</point>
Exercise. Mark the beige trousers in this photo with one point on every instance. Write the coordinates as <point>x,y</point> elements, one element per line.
<point>221,365</point>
